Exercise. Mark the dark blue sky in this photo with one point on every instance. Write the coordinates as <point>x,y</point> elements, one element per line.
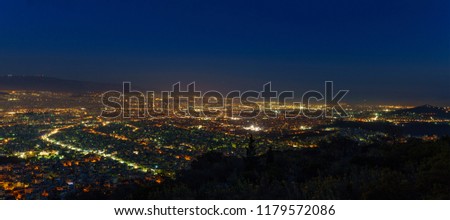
<point>382,51</point>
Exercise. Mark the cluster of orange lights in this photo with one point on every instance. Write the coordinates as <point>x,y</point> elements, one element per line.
<point>69,163</point>
<point>116,136</point>
<point>159,180</point>
<point>44,194</point>
<point>186,157</point>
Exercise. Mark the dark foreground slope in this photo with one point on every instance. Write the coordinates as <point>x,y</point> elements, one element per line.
<point>337,170</point>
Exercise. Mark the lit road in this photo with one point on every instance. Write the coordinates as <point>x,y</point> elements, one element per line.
<point>47,138</point>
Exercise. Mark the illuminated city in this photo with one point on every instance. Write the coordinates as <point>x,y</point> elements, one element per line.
<point>58,145</point>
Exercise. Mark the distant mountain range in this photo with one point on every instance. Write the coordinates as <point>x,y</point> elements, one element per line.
<point>424,110</point>
<point>42,83</point>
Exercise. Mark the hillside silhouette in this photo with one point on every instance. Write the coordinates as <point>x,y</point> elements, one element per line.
<point>339,169</point>
<point>43,83</point>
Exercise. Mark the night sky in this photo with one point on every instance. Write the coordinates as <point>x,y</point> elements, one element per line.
<point>383,51</point>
